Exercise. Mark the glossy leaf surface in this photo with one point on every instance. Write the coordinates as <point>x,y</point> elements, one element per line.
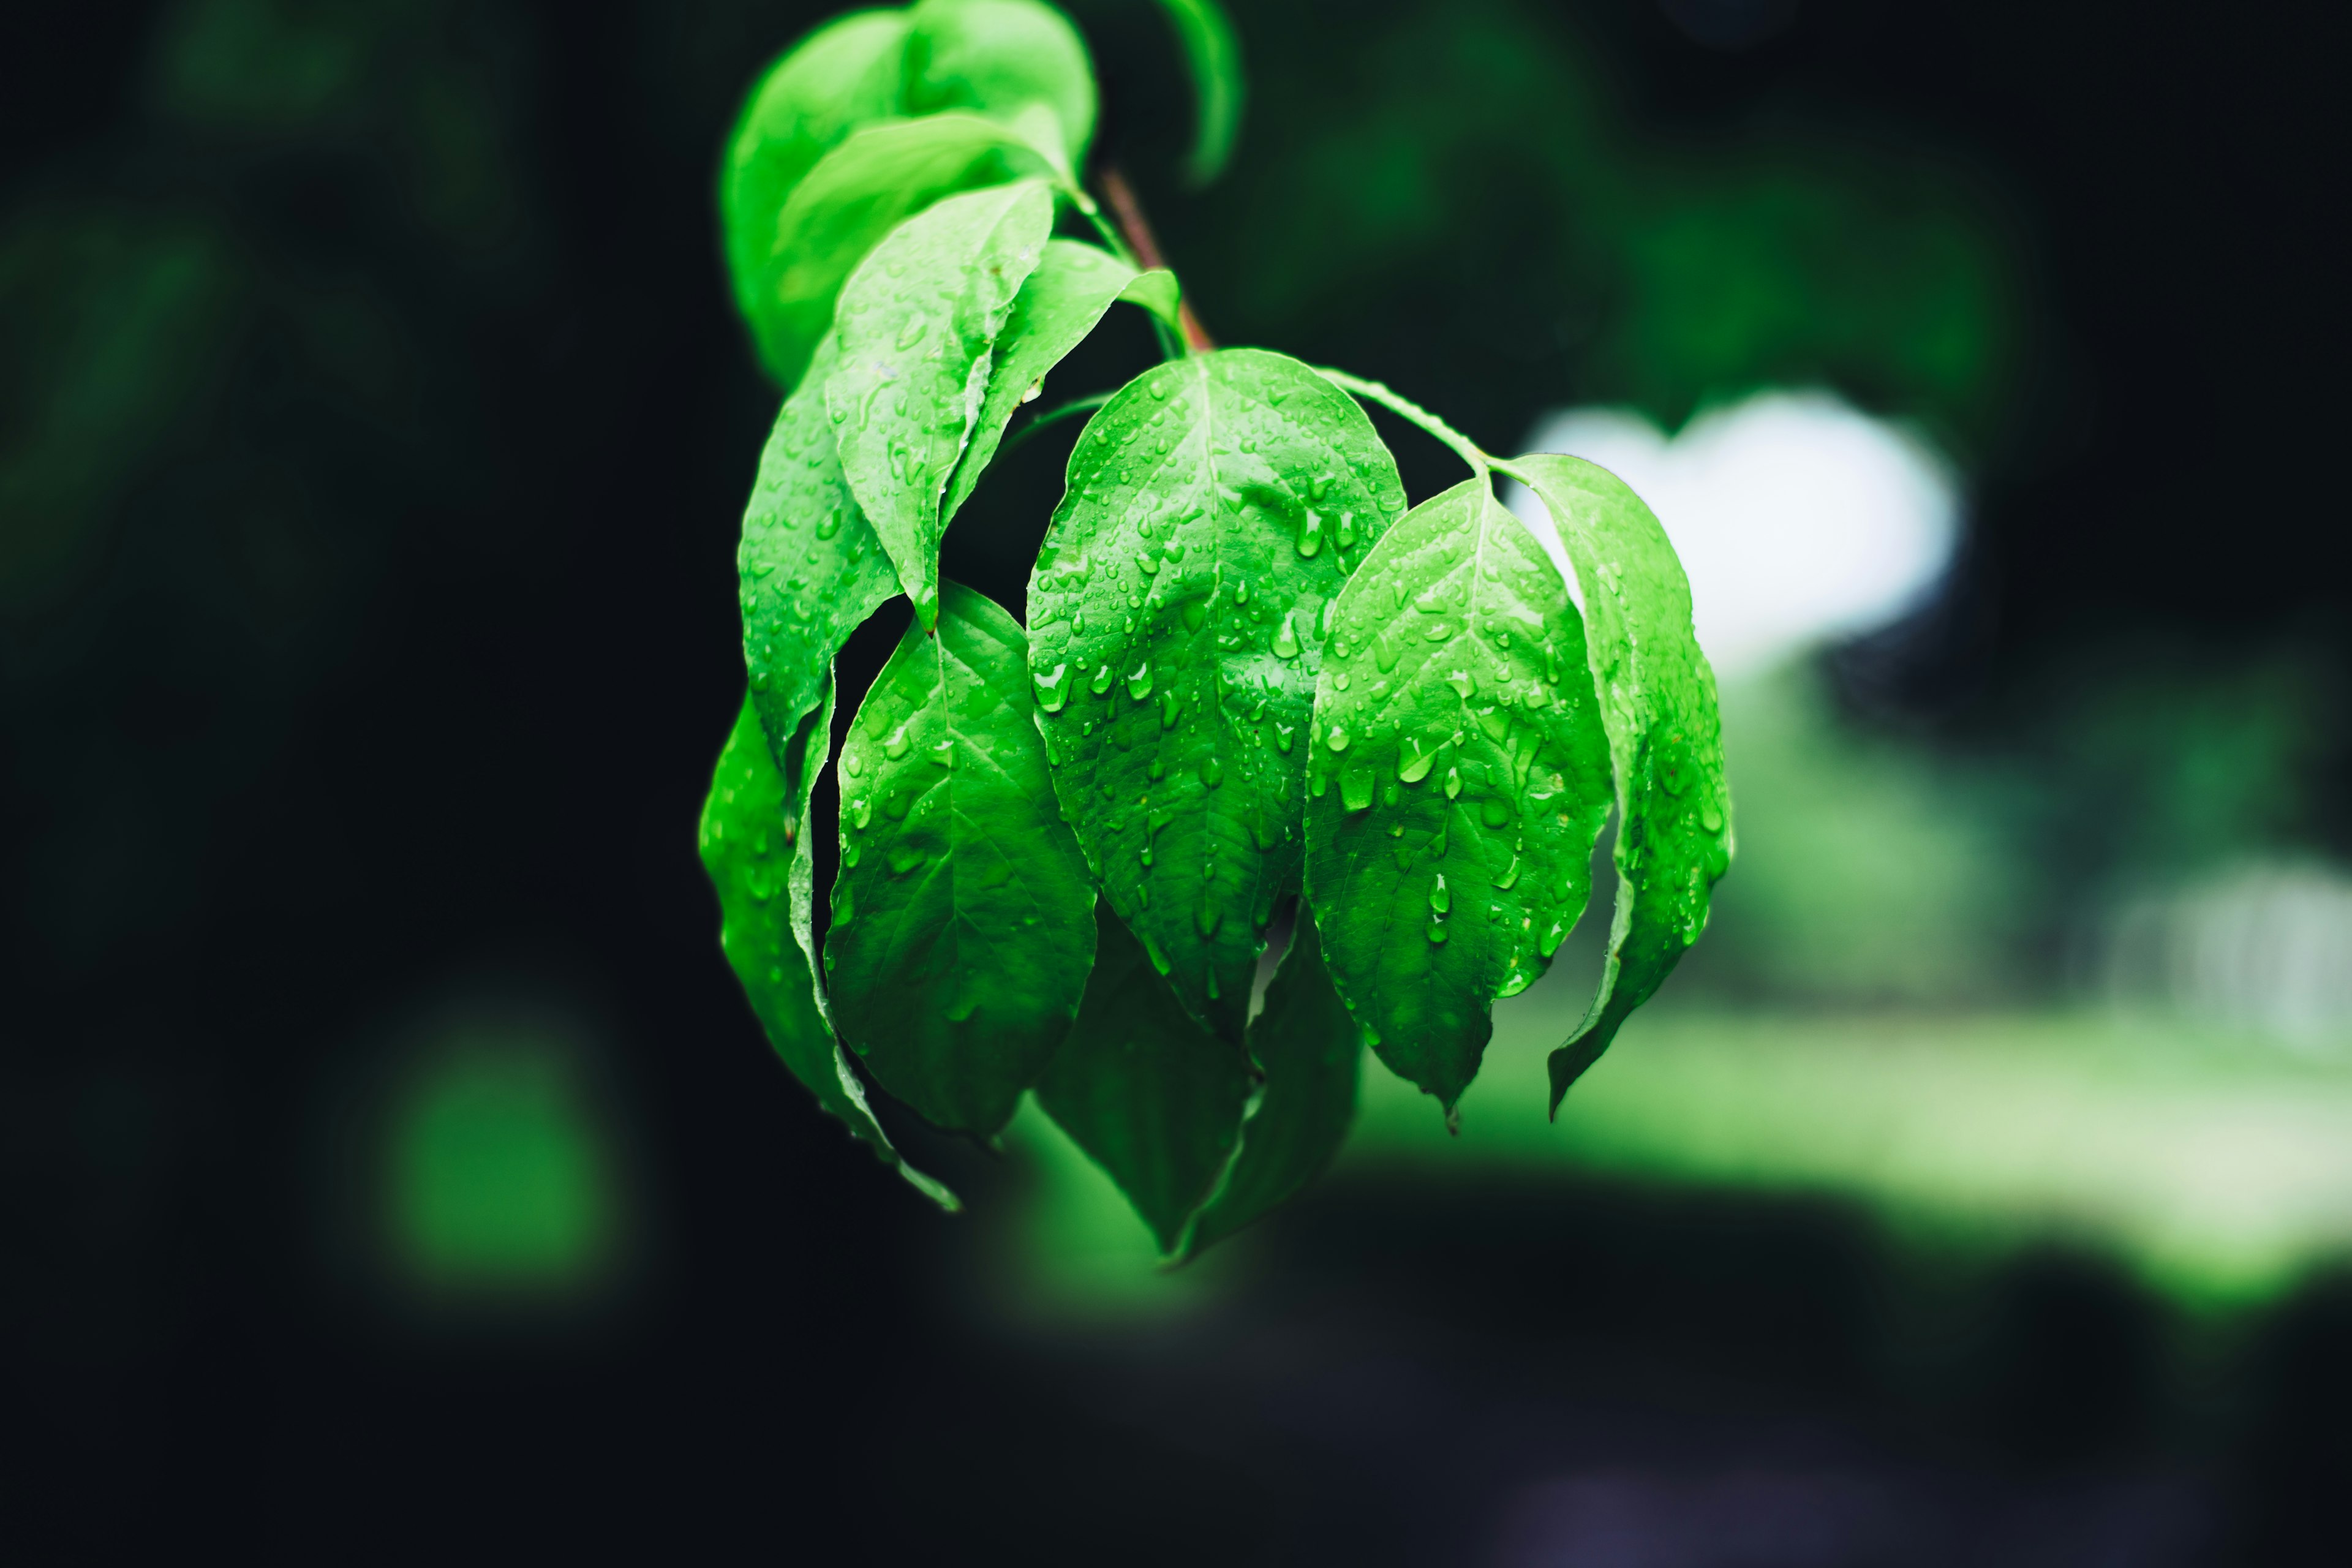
<point>1151,1098</point>
<point>1310,1050</point>
<point>877,178</point>
<point>848,73</point>
<point>962,918</point>
<point>918,324</point>
<point>1212,57</point>
<point>750,841</point>
<point>1657,700</point>
<point>1177,619</point>
<point>1014,60</point>
<point>1059,304</point>
<point>918,330</point>
<point>1460,777</point>
<point>810,566</point>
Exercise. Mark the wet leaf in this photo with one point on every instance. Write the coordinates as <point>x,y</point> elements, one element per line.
<point>1449,844</point>
<point>878,177</point>
<point>1151,1098</point>
<point>848,73</point>
<point>962,918</point>
<point>1014,60</point>
<point>1310,1049</point>
<point>1657,700</point>
<point>754,853</point>
<point>917,324</point>
<point>1213,56</point>
<point>1059,304</point>
<point>810,566</point>
<point>1214,510</point>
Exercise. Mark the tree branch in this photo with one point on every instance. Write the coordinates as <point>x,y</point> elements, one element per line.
<point>1137,228</point>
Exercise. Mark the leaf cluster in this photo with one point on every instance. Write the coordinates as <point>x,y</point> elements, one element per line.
<point>1256,689</point>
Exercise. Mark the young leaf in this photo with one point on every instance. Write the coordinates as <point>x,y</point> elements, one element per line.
<point>749,838</point>
<point>1157,292</point>
<point>1177,621</point>
<point>848,73</point>
<point>812,570</point>
<point>1149,1097</point>
<point>1073,286</point>
<point>962,919</point>
<point>1459,779</point>
<point>1214,58</point>
<point>918,323</point>
<point>1004,58</point>
<point>1309,1049</point>
<point>1657,700</point>
<point>856,194</point>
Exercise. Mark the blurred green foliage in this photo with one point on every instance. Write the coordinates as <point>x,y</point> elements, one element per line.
<point>497,1178</point>
<point>1870,871</point>
<point>1630,266</point>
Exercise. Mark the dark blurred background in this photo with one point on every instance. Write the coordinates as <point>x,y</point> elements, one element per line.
<point>392,1166</point>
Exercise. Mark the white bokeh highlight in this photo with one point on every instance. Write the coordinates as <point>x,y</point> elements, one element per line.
<point>1801,519</point>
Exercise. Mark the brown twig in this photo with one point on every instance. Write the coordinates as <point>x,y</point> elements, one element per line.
<point>1137,230</point>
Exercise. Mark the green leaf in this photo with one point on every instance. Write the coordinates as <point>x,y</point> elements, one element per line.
<point>962,918</point>
<point>1157,292</point>
<point>753,850</point>
<point>1073,286</point>
<point>1212,56</point>
<point>1674,802</point>
<point>1309,1049</point>
<point>848,73</point>
<point>1460,777</point>
<point>1176,625</point>
<point>811,568</point>
<point>1008,59</point>
<point>1153,1099</point>
<point>880,176</point>
<point>918,323</point>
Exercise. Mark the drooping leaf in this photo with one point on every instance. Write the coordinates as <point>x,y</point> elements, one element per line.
<point>750,839</point>
<point>1008,59</point>
<point>1310,1049</point>
<point>918,324</point>
<point>1177,619</point>
<point>1153,1099</point>
<point>1059,304</point>
<point>811,568</point>
<point>1460,777</point>
<point>1657,700</point>
<point>962,918</point>
<point>849,72</point>
<point>880,176</point>
<point>1213,56</point>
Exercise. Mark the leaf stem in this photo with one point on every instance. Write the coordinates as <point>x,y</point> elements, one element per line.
<point>1054,416</point>
<point>1407,409</point>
